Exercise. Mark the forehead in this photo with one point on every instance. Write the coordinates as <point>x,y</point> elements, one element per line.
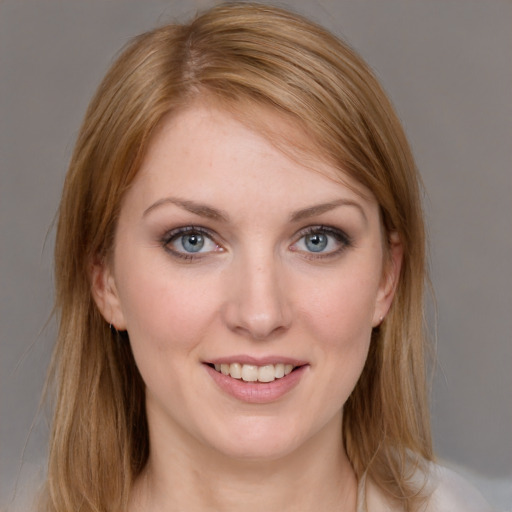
<point>213,144</point>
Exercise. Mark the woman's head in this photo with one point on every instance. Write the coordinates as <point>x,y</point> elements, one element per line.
<point>244,60</point>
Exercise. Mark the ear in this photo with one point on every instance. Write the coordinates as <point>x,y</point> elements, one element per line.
<point>104,292</point>
<point>390,278</point>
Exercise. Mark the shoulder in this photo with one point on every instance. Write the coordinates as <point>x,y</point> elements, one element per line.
<point>447,492</point>
<point>452,493</point>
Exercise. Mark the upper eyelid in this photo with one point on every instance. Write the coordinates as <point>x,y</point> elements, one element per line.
<point>323,228</point>
<point>171,233</point>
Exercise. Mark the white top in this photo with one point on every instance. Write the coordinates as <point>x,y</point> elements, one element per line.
<point>450,493</point>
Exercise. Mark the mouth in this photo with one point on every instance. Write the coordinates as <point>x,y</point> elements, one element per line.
<point>254,373</point>
<point>257,380</point>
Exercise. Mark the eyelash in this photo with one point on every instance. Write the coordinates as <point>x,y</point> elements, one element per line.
<point>340,236</point>
<point>344,240</point>
<point>175,234</point>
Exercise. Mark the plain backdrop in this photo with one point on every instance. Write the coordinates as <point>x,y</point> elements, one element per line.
<point>447,65</point>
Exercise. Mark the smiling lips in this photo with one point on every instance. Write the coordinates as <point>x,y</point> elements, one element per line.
<point>257,381</point>
<point>254,373</point>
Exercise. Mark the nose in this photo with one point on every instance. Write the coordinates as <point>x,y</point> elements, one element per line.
<point>258,304</point>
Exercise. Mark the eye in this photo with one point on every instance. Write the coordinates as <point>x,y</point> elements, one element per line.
<point>316,242</point>
<point>193,242</point>
<point>322,241</point>
<point>189,241</point>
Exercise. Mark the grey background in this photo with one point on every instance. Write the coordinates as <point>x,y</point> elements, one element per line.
<point>447,66</point>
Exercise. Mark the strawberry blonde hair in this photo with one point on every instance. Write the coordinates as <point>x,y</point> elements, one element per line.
<point>237,54</point>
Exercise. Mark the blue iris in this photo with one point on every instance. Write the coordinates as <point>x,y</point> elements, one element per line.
<point>193,242</point>
<point>316,242</point>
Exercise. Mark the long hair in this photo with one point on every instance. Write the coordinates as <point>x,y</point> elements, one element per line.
<point>238,55</point>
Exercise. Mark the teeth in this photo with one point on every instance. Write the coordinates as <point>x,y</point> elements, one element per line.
<point>235,370</point>
<point>279,369</point>
<point>266,373</point>
<point>249,373</point>
<point>253,373</point>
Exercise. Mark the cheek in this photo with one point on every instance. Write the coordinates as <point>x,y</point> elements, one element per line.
<point>340,307</point>
<point>339,314</point>
<point>168,318</point>
<point>165,310</point>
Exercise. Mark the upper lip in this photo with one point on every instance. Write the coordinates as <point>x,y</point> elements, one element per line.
<point>257,361</point>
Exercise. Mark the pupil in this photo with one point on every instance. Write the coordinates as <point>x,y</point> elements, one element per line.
<point>316,242</point>
<point>193,243</point>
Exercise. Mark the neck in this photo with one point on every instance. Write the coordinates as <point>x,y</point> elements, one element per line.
<point>317,476</point>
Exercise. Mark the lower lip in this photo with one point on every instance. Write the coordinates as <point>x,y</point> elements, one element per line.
<point>257,392</point>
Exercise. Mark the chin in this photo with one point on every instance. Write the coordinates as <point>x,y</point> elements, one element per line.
<point>255,451</point>
<point>259,439</point>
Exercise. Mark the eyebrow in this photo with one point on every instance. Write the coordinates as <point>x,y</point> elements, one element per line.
<point>202,210</point>
<point>318,209</point>
<point>210,212</point>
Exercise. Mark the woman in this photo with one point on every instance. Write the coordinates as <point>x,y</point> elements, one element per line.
<point>239,272</point>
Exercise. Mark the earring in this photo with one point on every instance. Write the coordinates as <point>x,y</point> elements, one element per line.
<point>118,335</point>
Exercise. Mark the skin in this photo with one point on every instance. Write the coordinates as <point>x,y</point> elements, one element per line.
<point>255,288</point>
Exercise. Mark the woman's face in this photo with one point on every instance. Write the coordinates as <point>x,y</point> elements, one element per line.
<point>234,264</point>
